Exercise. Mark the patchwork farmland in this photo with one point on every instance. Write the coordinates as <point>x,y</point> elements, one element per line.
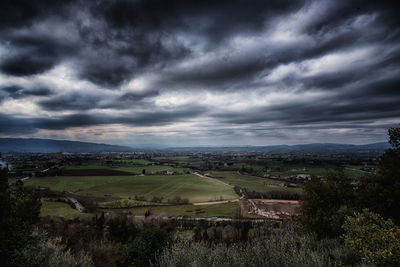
<point>182,184</point>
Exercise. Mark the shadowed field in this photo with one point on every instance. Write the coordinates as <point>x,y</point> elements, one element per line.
<point>219,210</point>
<point>252,183</point>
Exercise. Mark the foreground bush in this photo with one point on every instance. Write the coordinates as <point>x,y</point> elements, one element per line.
<point>142,250</point>
<point>276,250</point>
<point>325,203</point>
<point>49,253</point>
<point>375,239</point>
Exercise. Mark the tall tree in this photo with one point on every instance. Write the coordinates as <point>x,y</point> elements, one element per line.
<point>19,210</point>
<point>380,192</point>
<point>324,204</point>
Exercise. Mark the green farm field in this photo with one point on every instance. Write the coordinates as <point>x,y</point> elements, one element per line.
<point>182,158</point>
<point>137,161</point>
<point>252,183</point>
<point>311,171</point>
<point>192,187</point>
<point>150,169</point>
<point>60,209</point>
<point>349,171</point>
<point>354,172</point>
<point>219,210</point>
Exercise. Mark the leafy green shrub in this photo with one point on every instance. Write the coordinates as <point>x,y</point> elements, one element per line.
<point>375,239</point>
<point>45,253</point>
<point>103,254</point>
<point>121,230</point>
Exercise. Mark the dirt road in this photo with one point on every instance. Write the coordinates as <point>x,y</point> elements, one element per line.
<point>212,179</point>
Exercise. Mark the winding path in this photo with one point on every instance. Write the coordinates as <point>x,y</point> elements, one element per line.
<point>78,205</point>
<point>213,202</point>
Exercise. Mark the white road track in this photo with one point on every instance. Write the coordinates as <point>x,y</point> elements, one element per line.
<point>213,202</point>
<point>78,205</point>
<point>211,179</point>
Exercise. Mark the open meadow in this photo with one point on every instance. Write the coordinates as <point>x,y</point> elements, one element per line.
<point>60,210</point>
<point>192,187</point>
<point>135,169</point>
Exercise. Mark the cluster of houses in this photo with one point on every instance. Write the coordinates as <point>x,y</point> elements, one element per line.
<point>267,213</point>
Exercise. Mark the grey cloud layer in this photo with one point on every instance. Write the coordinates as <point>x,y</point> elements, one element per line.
<point>199,47</point>
<point>11,124</point>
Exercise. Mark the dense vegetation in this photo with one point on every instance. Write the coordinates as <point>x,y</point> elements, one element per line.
<point>19,210</point>
<point>365,214</point>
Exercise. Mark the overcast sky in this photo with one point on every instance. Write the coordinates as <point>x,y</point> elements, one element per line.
<point>195,73</point>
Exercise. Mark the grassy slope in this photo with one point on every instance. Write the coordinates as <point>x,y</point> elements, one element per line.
<point>194,188</point>
<point>86,167</point>
<point>134,169</point>
<point>59,209</point>
<point>353,171</point>
<point>252,182</point>
<point>137,161</point>
<point>151,169</point>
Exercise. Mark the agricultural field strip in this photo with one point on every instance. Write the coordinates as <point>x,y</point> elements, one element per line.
<point>211,179</point>
<point>251,182</point>
<point>59,209</point>
<point>186,186</point>
<point>347,168</point>
<point>215,202</point>
<point>134,169</point>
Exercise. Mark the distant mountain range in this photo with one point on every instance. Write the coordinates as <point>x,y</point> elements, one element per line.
<point>51,146</point>
<point>317,147</point>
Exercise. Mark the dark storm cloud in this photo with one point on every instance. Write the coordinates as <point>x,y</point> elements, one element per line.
<point>12,125</point>
<point>384,88</point>
<point>216,20</point>
<point>132,99</point>
<point>17,92</point>
<point>228,72</point>
<point>135,33</point>
<point>324,110</point>
<point>137,96</point>
<point>338,11</point>
<point>16,13</point>
<point>70,102</point>
<point>34,54</point>
<point>354,81</point>
<point>143,27</point>
<point>21,65</point>
<point>82,101</point>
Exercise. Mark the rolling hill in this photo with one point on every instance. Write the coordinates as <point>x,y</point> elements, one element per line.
<point>52,146</point>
